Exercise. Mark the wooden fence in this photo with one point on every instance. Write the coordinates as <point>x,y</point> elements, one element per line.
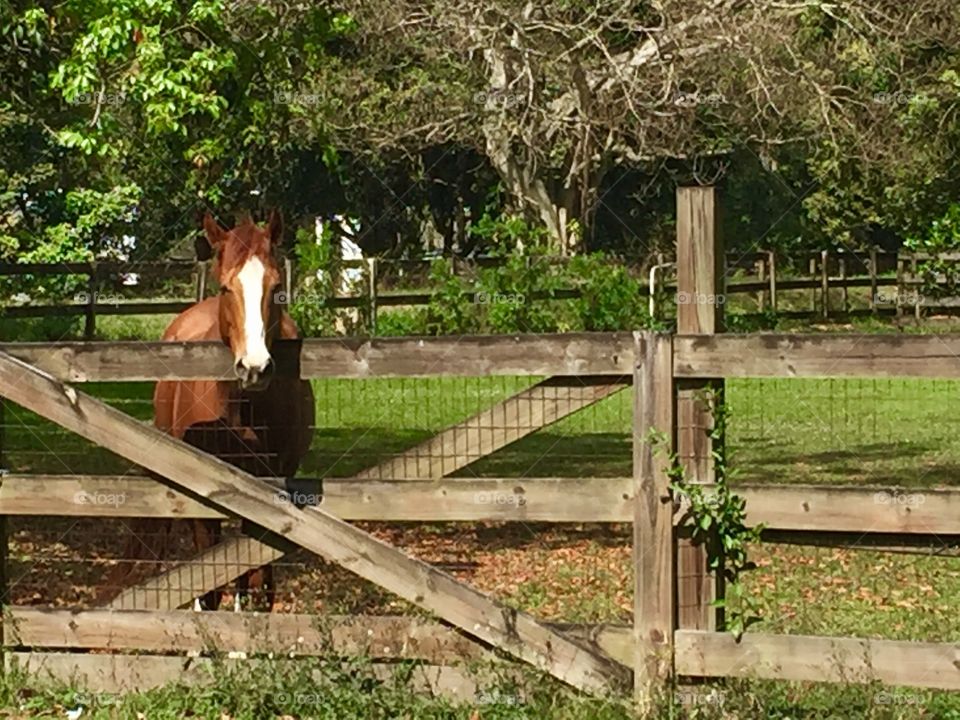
<point>894,281</point>
<point>657,365</point>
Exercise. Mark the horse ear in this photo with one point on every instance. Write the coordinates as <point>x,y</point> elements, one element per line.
<point>215,233</point>
<point>275,226</point>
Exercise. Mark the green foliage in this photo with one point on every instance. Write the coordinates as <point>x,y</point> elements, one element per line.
<point>318,266</point>
<point>717,521</point>
<point>451,310</point>
<point>940,276</point>
<point>611,299</point>
<point>401,321</point>
<point>766,320</point>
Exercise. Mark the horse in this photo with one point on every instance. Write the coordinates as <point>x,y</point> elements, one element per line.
<point>258,421</point>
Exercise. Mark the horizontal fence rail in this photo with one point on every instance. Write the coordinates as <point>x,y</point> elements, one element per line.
<point>775,355</point>
<point>818,659</point>
<point>783,355</point>
<point>467,356</point>
<point>804,508</point>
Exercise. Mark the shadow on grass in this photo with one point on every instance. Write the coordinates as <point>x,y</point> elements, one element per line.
<point>908,464</point>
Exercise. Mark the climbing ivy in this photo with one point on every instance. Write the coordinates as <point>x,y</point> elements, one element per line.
<point>717,519</point>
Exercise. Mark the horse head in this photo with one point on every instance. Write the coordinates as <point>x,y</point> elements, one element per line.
<point>249,280</point>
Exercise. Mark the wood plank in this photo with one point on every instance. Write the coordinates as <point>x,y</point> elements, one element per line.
<point>118,674</point>
<point>700,285</point>
<point>817,355</point>
<point>452,499</point>
<point>494,428</point>
<point>818,659</point>
<point>653,542</point>
<point>468,356</point>
<point>382,637</point>
<point>241,494</point>
<point>473,499</point>
<point>857,509</point>
<point>391,637</point>
<point>807,508</point>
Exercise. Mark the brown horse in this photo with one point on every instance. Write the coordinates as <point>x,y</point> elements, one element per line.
<point>260,423</point>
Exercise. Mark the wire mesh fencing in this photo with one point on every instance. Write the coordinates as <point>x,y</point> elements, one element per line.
<point>373,430</point>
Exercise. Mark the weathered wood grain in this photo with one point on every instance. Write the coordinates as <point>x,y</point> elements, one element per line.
<point>653,542</point>
<point>817,355</point>
<point>451,499</point>
<point>700,301</point>
<point>383,637</point>
<point>539,355</point>
<point>818,659</point>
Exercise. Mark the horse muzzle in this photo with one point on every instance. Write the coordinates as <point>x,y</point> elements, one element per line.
<point>254,378</point>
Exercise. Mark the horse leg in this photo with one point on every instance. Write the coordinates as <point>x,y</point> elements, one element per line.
<point>206,534</point>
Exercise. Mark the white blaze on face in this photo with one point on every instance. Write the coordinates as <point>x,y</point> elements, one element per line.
<point>255,354</point>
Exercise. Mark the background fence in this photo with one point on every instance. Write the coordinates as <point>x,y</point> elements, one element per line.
<point>818,285</point>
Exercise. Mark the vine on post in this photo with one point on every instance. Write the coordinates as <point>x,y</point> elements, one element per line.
<point>718,520</point>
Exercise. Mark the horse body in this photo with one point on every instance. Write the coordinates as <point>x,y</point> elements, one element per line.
<point>258,421</point>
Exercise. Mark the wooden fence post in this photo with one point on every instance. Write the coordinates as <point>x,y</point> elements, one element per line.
<point>772,263</point>
<point>824,284</point>
<point>653,538</point>
<point>288,278</point>
<point>900,284</point>
<point>873,279</point>
<point>372,295</point>
<point>700,267</point>
<point>761,294</point>
<point>4,586</point>
<point>813,287</point>
<point>90,316</point>
<point>914,274</point>
<point>201,285</point>
<point>843,283</point>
